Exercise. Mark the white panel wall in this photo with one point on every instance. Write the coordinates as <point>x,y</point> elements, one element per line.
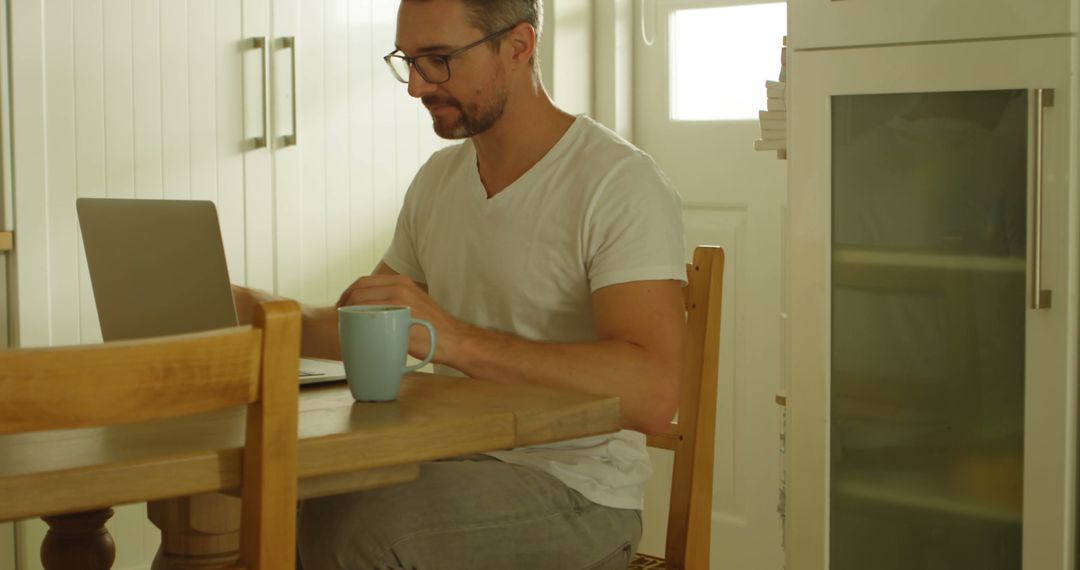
<point>159,99</point>
<point>7,546</point>
<point>566,53</point>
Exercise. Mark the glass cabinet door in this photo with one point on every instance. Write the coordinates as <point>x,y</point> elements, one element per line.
<point>929,212</point>
<point>931,406</point>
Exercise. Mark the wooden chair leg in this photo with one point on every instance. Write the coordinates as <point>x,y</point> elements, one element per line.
<point>198,532</point>
<point>78,541</point>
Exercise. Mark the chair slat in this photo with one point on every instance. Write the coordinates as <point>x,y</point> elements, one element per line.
<point>664,440</point>
<point>130,381</point>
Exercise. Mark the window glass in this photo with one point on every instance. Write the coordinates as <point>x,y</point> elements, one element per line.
<point>721,58</point>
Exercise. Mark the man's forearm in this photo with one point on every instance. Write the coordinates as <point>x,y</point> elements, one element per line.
<point>646,383</point>
<point>319,338</point>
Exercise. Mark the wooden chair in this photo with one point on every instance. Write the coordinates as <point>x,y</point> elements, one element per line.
<point>692,436</point>
<point>132,381</point>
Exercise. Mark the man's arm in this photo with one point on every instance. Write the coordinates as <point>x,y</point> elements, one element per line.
<point>319,332</point>
<point>638,357</point>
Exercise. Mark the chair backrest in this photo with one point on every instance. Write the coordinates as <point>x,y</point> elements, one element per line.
<point>692,436</point>
<point>122,382</point>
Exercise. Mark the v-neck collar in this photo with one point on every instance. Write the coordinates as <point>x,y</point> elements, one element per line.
<point>553,154</point>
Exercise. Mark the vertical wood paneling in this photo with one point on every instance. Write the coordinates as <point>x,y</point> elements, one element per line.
<point>28,134</point>
<point>384,91</point>
<point>137,539</point>
<point>258,167</point>
<point>311,62</point>
<point>118,86</point>
<point>60,171</point>
<point>336,118</point>
<point>28,543</point>
<point>146,99</point>
<point>287,185</point>
<point>202,113</point>
<point>429,142</point>
<point>175,152</point>
<point>90,168</point>
<point>362,64</point>
<point>228,78</point>
<point>7,546</point>
<point>408,140</point>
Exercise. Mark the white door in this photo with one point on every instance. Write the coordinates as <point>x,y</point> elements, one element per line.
<point>828,23</point>
<point>734,197</point>
<point>932,408</point>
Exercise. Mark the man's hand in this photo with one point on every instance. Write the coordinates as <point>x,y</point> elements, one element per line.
<point>393,289</point>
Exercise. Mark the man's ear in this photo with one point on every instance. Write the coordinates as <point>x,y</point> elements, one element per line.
<point>521,41</point>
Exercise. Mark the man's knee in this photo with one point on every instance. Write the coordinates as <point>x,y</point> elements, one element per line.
<point>343,532</point>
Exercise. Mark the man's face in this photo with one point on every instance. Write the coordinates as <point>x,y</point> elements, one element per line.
<point>474,97</point>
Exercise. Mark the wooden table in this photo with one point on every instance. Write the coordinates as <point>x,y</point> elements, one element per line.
<point>343,446</point>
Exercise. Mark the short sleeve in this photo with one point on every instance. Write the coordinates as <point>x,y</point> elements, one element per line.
<point>634,228</point>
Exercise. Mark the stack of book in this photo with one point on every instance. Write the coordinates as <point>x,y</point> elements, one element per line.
<point>774,118</point>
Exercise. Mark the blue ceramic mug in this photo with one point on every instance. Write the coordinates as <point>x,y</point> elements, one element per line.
<point>374,344</point>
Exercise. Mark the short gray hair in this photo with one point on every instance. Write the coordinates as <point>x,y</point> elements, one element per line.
<point>490,16</point>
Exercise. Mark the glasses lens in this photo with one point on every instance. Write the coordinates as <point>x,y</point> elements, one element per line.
<point>399,67</point>
<point>434,69</point>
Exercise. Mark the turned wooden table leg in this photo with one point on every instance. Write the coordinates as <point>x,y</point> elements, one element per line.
<point>78,541</point>
<point>198,532</point>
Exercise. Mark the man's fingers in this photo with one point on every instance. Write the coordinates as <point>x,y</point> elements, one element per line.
<point>368,283</point>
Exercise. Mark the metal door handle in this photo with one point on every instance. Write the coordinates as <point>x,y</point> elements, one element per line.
<point>263,141</point>
<point>1040,298</point>
<point>290,44</point>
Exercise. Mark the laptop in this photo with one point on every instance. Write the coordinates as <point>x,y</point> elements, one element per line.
<point>158,268</point>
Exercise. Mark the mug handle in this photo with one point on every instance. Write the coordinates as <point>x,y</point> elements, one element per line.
<point>431,351</point>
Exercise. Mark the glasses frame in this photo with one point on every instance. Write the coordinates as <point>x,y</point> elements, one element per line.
<point>443,58</point>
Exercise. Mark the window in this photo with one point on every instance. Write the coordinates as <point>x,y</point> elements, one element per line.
<point>720,59</point>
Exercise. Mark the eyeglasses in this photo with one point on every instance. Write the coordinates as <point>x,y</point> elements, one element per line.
<point>433,68</point>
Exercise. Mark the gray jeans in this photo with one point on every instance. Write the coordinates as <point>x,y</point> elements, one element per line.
<point>472,513</point>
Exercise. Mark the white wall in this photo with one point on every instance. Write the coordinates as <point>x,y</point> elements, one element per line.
<point>566,48</point>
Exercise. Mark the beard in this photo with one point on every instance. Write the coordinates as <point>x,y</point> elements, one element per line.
<point>471,120</point>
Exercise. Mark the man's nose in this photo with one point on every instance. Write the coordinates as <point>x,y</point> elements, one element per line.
<point>418,86</point>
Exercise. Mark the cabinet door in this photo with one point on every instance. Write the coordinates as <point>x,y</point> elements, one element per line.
<point>136,99</point>
<point>930,404</point>
<point>828,23</point>
<point>139,99</point>
<point>357,140</point>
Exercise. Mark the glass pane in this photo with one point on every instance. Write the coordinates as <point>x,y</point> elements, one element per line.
<point>928,274</point>
<point>720,59</point>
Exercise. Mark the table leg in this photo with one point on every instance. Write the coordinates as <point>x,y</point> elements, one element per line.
<point>78,540</point>
<point>198,532</point>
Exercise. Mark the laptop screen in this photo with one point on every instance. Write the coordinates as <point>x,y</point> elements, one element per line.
<point>157,266</point>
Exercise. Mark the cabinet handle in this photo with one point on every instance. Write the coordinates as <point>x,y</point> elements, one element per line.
<point>263,141</point>
<point>290,44</point>
<point>1040,298</point>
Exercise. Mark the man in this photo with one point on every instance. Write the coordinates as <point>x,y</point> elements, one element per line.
<point>544,250</point>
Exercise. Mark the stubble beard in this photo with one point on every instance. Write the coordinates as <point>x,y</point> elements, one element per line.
<point>470,122</point>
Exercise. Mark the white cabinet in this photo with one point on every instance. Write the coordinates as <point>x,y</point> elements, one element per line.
<point>932,409</point>
<point>830,23</point>
<point>163,99</point>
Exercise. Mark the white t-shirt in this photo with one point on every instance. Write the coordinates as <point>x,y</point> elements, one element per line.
<point>593,212</point>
